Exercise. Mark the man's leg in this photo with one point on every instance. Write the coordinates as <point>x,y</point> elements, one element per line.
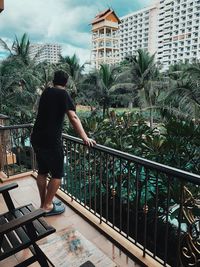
<point>52,188</point>
<point>55,166</point>
<point>42,187</point>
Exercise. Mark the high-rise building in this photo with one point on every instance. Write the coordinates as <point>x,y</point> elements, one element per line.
<point>105,39</point>
<point>139,30</point>
<point>45,52</point>
<point>179,31</point>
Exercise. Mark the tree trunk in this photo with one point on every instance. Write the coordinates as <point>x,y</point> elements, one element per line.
<point>104,110</point>
<point>130,105</point>
<point>151,118</point>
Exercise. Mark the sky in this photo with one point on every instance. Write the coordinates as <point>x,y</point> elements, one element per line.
<point>66,22</point>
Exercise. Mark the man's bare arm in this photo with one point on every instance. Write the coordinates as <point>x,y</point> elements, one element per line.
<point>77,125</point>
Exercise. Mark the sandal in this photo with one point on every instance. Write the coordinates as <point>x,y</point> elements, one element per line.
<point>57,209</point>
<point>57,202</point>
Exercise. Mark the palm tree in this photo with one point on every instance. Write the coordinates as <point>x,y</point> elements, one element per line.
<point>183,96</point>
<point>99,85</point>
<point>194,70</point>
<point>140,77</point>
<point>20,48</point>
<point>17,90</point>
<point>18,81</point>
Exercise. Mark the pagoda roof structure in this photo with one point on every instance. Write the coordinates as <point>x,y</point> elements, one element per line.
<point>107,14</point>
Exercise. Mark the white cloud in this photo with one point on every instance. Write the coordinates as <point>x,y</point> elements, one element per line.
<point>50,21</point>
<point>62,21</point>
<point>46,20</point>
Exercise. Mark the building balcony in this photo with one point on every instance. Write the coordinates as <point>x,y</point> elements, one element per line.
<point>105,36</point>
<point>111,190</point>
<point>105,23</point>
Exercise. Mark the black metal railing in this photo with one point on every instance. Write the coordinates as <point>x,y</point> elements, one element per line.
<point>16,154</point>
<point>154,206</point>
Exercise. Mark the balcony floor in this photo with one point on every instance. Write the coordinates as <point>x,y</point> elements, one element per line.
<point>27,193</point>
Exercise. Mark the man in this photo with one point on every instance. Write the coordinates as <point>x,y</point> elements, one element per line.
<point>47,143</point>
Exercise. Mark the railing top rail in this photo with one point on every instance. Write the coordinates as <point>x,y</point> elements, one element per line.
<point>170,171</point>
<point>19,126</point>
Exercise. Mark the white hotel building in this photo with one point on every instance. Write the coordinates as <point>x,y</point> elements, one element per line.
<point>169,28</point>
<point>178,31</point>
<point>138,30</point>
<point>45,52</point>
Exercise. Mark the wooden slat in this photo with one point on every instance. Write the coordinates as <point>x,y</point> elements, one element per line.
<point>8,187</point>
<point>5,244</point>
<point>42,221</point>
<point>38,226</point>
<point>47,229</point>
<point>21,221</point>
<point>19,231</point>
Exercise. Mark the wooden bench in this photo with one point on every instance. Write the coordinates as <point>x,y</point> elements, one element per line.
<point>21,228</point>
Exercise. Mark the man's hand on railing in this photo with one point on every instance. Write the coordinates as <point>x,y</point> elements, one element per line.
<point>89,142</point>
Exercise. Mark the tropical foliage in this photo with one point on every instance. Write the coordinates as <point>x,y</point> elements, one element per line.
<point>99,84</point>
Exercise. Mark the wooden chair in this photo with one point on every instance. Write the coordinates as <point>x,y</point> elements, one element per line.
<point>21,228</point>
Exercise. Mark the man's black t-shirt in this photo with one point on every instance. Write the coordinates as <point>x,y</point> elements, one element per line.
<point>47,130</point>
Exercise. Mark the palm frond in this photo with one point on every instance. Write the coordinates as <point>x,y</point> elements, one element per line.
<point>5,46</point>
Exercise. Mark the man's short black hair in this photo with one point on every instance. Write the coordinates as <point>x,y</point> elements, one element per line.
<point>60,78</point>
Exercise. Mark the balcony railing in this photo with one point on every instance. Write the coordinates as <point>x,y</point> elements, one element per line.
<point>16,154</point>
<point>153,206</point>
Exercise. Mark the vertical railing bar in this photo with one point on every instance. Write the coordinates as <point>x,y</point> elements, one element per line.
<point>100,187</point>
<point>107,193</point>
<point>167,218</point>
<point>15,132</point>
<point>11,151</point>
<point>95,188</point>
<point>120,197</point>
<point>179,220</point>
<point>5,150</point>
<point>33,159</point>
<point>24,149</point>
<point>145,210</point>
<point>136,203</point>
<point>19,149</point>
<point>89,178</point>
<point>31,150</point>
<point>62,185</point>
<point>128,200</point>
<point>84,175</point>
<point>75,178</point>
<point>71,172</point>
<point>26,157</point>
<point>80,172</point>
<point>67,168</point>
<point>5,164</point>
<point>156,217</point>
<point>114,191</point>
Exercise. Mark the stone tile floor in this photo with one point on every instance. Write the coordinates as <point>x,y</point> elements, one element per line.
<point>27,193</point>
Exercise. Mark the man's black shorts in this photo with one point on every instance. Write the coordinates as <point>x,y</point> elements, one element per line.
<point>50,161</point>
